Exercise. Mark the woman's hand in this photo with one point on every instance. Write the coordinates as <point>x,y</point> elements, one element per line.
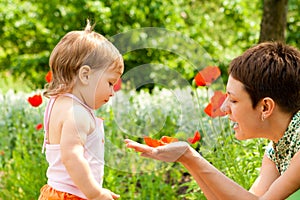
<point>168,153</point>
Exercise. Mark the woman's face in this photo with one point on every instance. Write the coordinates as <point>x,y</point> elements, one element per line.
<point>246,120</point>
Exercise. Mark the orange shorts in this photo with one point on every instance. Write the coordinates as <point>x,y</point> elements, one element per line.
<point>48,193</point>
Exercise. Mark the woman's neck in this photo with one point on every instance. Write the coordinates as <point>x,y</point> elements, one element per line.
<point>278,124</point>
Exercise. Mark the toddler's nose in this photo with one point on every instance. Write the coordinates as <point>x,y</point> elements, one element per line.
<point>112,92</point>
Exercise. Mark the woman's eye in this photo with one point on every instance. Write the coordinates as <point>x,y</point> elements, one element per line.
<point>232,101</point>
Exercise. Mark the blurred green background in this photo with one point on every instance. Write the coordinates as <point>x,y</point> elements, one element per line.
<point>29,30</point>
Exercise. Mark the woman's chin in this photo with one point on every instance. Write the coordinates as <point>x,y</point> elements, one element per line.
<point>239,136</point>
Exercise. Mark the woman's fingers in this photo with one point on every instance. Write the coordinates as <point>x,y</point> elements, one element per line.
<point>168,153</point>
<point>137,146</point>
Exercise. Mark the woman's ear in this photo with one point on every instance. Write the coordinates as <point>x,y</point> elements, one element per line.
<point>84,74</point>
<point>268,105</point>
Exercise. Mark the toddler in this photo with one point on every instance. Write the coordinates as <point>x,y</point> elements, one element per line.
<point>85,66</point>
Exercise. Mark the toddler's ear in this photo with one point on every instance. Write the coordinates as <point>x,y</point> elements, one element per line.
<point>84,73</point>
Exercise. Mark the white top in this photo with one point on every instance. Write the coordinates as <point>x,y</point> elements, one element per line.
<point>58,177</point>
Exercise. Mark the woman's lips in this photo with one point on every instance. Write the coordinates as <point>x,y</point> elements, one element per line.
<point>234,124</point>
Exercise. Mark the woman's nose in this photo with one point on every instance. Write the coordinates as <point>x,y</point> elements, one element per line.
<point>224,107</point>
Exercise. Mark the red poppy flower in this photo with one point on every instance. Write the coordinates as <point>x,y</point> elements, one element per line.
<point>35,100</point>
<point>194,139</point>
<point>117,86</point>
<point>152,142</point>
<point>167,139</point>
<point>163,141</point>
<point>213,109</point>
<point>38,127</point>
<point>48,77</point>
<point>207,76</point>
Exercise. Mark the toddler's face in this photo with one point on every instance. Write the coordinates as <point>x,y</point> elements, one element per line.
<point>102,84</point>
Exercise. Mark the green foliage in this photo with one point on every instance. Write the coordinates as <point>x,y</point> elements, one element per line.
<point>161,184</point>
<point>293,23</point>
<point>233,161</point>
<point>8,83</point>
<point>21,162</point>
<point>23,174</point>
<point>30,29</point>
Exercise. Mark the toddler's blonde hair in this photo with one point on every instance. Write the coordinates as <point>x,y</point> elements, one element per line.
<point>76,49</point>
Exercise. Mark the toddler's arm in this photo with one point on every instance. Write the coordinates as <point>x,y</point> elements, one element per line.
<point>72,152</point>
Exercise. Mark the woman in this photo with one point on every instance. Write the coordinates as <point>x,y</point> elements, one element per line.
<point>263,101</point>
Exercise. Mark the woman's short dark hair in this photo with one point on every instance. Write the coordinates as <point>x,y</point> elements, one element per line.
<point>270,69</point>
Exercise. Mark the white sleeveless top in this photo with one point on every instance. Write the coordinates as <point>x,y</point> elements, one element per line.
<point>58,177</point>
